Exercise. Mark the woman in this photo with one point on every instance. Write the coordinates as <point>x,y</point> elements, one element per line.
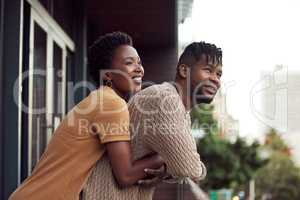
<point>95,128</point>
<point>160,122</point>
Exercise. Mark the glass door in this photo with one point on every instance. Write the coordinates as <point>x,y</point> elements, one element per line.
<point>49,46</point>
<point>38,93</point>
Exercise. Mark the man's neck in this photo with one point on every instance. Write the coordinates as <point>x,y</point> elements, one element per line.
<point>183,92</point>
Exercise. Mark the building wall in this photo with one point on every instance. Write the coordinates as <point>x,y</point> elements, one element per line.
<point>159,58</point>
<point>152,25</point>
<point>14,51</point>
<point>160,64</point>
<point>229,127</point>
<point>1,75</point>
<point>9,115</point>
<point>280,106</point>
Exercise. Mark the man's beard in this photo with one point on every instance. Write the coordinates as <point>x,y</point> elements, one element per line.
<point>204,99</point>
<point>201,98</point>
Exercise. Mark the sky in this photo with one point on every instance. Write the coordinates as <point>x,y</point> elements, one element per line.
<point>255,36</point>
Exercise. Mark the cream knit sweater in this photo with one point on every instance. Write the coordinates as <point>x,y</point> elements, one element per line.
<point>159,123</point>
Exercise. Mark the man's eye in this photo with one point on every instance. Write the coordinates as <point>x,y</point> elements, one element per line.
<point>128,63</point>
<point>219,75</point>
<point>207,70</point>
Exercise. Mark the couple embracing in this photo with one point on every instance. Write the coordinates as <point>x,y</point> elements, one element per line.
<point>127,143</point>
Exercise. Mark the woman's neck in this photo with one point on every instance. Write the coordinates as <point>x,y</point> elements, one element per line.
<point>123,95</point>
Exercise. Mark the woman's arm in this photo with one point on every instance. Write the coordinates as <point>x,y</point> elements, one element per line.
<point>126,171</point>
<point>113,132</point>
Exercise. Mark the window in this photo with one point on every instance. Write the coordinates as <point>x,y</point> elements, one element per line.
<point>49,48</point>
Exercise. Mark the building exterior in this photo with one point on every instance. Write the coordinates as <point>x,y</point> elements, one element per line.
<point>280,99</point>
<point>44,42</point>
<point>229,127</point>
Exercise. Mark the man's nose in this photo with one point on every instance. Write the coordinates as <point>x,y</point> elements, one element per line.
<point>215,79</point>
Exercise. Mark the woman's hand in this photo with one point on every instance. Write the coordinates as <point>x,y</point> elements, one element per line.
<point>126,171</point>
<point>157,176</point>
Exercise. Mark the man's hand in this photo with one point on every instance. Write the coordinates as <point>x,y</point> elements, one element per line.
<point>157,174</point>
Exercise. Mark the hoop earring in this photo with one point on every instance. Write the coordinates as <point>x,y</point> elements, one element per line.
<point>108,83</point>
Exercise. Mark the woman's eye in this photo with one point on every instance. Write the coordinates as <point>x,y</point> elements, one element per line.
<point>128,63</point>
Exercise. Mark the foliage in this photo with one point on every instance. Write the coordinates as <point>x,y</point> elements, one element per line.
<point>229,165</point>
<point>202,118</point>
<point>220,161</point>
<point>249,160</point>
<point>274,143</point>
<point>280,178</point>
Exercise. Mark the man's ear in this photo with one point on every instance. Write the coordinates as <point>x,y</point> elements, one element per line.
<point>183,70</point>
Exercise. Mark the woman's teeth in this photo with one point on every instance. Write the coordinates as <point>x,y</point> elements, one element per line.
<point>137,80</point>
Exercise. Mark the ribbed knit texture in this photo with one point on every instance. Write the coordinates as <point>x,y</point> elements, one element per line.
<point>159,123</point>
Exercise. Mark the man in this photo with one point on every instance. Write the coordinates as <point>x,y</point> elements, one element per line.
<point>161,123</point>
<point>164,109</point>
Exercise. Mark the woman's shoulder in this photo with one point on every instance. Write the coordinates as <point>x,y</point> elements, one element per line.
<point>102,99</point>
<point>108,99</point>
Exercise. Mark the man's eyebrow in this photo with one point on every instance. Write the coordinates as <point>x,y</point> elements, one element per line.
<point>210,65</point>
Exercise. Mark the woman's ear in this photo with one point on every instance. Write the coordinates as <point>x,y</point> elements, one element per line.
<point>107,79</point>
<point>183,70</point>
<point>107,76</point>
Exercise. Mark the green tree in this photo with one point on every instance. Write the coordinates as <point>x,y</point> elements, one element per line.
<point>280,178</point>
<point>229,165</point>
<point>274,143</point>
<point>249,161</point>
<point>220,161</point>
<point>202,118</point>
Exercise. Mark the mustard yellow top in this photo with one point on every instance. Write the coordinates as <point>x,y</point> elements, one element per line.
<point>76,146</point>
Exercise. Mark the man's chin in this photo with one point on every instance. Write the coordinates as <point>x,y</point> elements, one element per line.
<point>205,99</point>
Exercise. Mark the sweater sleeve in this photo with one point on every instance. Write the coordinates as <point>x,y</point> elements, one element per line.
<point>170,136</point>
